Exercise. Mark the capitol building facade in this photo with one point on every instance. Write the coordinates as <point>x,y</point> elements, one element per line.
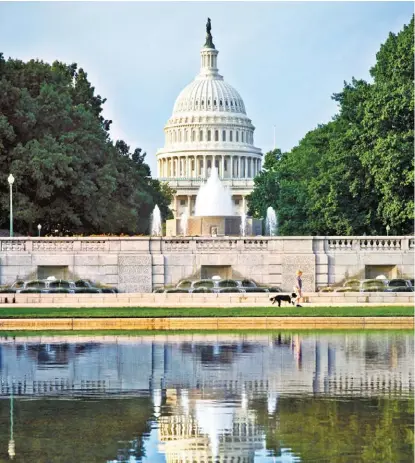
<point>209,127</point>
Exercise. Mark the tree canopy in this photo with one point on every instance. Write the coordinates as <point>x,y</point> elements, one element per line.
<point>355,174</point>
<point>69,175</point>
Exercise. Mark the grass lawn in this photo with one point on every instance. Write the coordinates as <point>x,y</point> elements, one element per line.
<point>155,312</point>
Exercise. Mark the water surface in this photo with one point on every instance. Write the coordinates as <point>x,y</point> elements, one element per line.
<point>280,397</point>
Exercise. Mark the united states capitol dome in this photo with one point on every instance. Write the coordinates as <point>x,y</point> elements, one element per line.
<point>208,128</point>
<point>209,93</point>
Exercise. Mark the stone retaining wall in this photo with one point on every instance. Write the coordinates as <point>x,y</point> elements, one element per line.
<point>140,264</point>
<point>213,323</point>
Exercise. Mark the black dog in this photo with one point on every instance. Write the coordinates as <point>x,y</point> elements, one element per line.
<point>283,297</point>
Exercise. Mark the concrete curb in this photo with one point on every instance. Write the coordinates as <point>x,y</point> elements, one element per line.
<point>211,323</point>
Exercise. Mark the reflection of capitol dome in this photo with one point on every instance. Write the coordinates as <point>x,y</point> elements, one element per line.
<point>210,432</point>
<point>209,127</point>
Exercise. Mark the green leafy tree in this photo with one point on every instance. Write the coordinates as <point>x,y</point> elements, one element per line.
<point>69,175</point>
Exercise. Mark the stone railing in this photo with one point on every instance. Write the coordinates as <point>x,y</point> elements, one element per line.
<point>364,243</point>
<point>145,244</point>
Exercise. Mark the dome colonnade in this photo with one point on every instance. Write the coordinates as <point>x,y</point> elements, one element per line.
<point>209,127</point>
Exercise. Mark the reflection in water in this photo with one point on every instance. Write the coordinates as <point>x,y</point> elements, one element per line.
<point>208,398</point>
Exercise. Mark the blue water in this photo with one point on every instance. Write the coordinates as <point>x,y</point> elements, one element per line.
<point>280,397</point>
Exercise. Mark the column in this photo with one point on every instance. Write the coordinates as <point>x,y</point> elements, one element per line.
<point>204,166</point>
<point>170,167</point>
<point>213,162</point>
<point>246,167</point>
<point>239,167</point>
<point>195,169</point>
<point>223,166</point>
<point>176,206</point>
<point>243,204</point>
<point>188,174</point>
<point>231,166</point>
<point>189,205</point>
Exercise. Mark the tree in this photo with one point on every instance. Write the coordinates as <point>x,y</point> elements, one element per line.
<point>68,171</point>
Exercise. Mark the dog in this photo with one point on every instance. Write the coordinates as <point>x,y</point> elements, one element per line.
<point>283,297</point>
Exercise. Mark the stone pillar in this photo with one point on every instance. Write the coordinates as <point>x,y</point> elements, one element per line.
<point>223,166</point>
<point>213,162</point>
<point>239,167</point>
<point>176,206</point>
<point>204,166</point>
<point>195,169</point>
<point>246,167</point>
<point>231,167</point>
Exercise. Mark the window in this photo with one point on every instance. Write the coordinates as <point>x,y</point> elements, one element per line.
<point>243,133</point>
<point>237,136</point>
<point>208,136</point>
<point>203,102</point>
<point>214,102</point>
<point>224,135</point>
<point>236,202</point>
<point>209,164</point>
<point>226,102</point>
<point>193,135</point>
<point>220,102</point>
<point>225,164</point>
<point>230,135</point>
<point>201,135</point>
<point>182,202</point>
<point>217,164</point>
<point>216,135</point>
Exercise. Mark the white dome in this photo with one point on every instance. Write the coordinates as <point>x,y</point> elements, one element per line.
<point>209,93</point>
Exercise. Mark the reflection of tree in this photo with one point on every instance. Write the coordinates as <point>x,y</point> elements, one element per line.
<point>62,431</point>
<point>360,430</point>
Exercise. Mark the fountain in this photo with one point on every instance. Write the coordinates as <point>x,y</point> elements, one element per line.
<point>213,198</point>
<point>156,222</point>
<point>184,222</point>
<point>271,224</point>
<point>243,225</point>
<point>214,214</point>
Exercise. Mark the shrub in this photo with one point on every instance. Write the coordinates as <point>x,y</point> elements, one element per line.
<point>373,285</point>
<point>8,290</point>
<point>202,289</point>
<point>256,290</point>
<point>185,284</point>
<point>31,291</point>
<point>83,284</point>
<point>177,290</point>
<point>87,290</point>
<point>248,283</point>
<point>108,290</point>
<point>228,284</point>
<point>229,290</point>
<point>352,283</point>
<point>159,290</point>
<point>274,289</point>
<point>203,283</point>
<point>59,284</point>
<point>18,284</point>
<point>346,289</point>
<point>35,284</point>
<point>326,289</point>
<point>60,291</point>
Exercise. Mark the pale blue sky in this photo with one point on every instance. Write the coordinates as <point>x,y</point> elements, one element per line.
<point>285,58</point>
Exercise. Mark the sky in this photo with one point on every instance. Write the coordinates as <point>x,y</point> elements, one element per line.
<point>285,59</point>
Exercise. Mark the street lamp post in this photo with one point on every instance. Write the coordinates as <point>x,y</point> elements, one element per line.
<point>10,179</point>
<point>39,227</point>
<point>387,230</point>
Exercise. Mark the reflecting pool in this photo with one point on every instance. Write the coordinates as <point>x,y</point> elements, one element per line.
<point>234,398</point>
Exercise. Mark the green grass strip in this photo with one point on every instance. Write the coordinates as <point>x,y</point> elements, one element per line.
<point>162,312</point>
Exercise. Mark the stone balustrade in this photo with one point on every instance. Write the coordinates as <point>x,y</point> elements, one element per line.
<point>142,263</point>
